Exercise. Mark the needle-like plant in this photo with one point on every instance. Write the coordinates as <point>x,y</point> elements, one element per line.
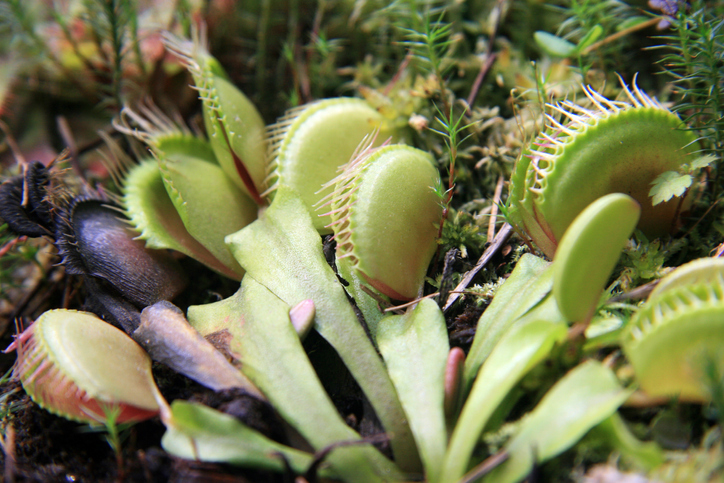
<point>693,58</point>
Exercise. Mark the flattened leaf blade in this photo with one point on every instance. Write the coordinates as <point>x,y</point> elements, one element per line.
<point>292,266</point>
<point>527,285</point>
<point>197,432</point>
<point>415,348</point>
<point>584,397</point>
<point>521,348</point>
<point>273,357</point>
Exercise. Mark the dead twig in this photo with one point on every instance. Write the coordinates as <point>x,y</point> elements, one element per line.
<point>485,467</point>
<point>404,306</point>
<point>638,293</point>
<point>494,209</point>
<point>489,55</point>
<point>496,245</point>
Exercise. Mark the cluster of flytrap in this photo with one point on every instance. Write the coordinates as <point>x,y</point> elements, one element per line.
<point>203,198</point>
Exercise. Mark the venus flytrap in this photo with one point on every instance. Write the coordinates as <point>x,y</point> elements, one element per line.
<point>153,215</point>
<point>678,332</point>
<point>528,285</point>
<point>415,349</point>
<point>608,147</point>
<point>310,144</point>
<point>699,271</point>
<point>77,366</point>
<point>583,398</point>
<point>196,186</point>
<point>386,194</point>
<point>233,124</point>
<point>293,267</point>
<point>588,253</point>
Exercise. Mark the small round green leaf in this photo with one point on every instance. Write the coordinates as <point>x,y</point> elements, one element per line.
<point>553,45</point>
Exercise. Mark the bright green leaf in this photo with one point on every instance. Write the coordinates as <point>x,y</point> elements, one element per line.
<point>553,45</point>
<point>592,36</point>
<point>669,184</point>
<point>415,348</point>
<point>530,281</point>
<point>584,397</point>
<point>291,264</point>
<point>702,162</point>
<point>197,432</point>
<point>588,252</point>
<point>521,348</point>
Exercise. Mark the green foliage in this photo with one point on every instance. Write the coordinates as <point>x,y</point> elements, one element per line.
<point>16,254</point>
<point>588,253</point>
<point>676,183</point>
<point>714,380</point>
<point>95,45</point>
<point>429,41</point>
<point>586,22</point>
<point>462,232</point>
<point>115,21</point>
<point>694,58</point>
<point>113,433</point>
<point>642,261</point>
<point>289,53</point>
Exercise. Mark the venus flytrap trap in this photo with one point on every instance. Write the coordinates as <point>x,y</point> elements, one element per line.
<point>678,332</point>
<point>386,194</point>
<point>81,368</point>
<point>195,184</point>
<point>310,144</point>
<point>699,271</point>
<point>608,147</point>
<point>78,366</point>
<point>233,124</point>
<point>154,216</point>
<point>588,253</point>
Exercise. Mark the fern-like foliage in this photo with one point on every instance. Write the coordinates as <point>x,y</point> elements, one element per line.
<point>695,60</point>
<point>114,24</point>
<point>429,43</point>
